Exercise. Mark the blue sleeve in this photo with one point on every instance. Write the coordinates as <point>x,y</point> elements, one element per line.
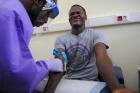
<point>18,71</point>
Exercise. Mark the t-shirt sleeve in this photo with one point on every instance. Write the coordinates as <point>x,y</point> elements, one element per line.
<point>59,43</point>
<point>9,44</point>
<point>13,46</point>
<point>100,38</point>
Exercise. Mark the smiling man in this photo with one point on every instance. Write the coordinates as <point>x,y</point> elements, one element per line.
<point>86,52</point>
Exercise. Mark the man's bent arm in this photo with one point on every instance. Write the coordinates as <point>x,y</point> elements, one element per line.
<point>105,68</point>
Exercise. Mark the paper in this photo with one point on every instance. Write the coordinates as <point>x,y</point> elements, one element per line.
<point>75,86</point>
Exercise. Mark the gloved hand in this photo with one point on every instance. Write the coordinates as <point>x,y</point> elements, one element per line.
<point>55,65</point>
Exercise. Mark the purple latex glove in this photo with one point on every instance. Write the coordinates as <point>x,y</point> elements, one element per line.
<point>55,65</point>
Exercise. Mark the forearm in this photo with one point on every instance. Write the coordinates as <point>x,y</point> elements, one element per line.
<point>106,70</point>
<point>54,78</point>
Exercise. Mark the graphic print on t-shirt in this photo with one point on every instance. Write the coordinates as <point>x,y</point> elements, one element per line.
<point>79,57</point>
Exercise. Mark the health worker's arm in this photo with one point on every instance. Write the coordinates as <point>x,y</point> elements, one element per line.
<point>15,56</point>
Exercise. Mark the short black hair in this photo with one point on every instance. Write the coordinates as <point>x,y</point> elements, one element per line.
<point>79,6</point>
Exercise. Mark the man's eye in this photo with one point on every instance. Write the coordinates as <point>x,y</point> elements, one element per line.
<point>78,13</point>
<point>40,1</point>
<point>71,14</point>
<point>75,13</point>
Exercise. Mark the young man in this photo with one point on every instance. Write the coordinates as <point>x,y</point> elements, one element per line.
<point>86,52</point>
<point>19,73</point>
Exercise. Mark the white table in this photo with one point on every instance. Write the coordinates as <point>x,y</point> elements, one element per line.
<point>75,86</point>
<point>138,79</point>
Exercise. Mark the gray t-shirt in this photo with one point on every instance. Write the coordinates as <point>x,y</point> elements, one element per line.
<point>81,53</point>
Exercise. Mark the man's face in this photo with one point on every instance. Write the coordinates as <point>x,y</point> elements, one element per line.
<point>77,16</point>
<point>49,10</point>
<point>42,18</point>
<point>35,10</point>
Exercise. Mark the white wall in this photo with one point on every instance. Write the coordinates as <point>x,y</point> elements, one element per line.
<point>97,8</point>
<point>124,50</point>
<point>124,40</point>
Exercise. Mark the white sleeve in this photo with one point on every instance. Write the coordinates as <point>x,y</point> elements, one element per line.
<point>100,38</point>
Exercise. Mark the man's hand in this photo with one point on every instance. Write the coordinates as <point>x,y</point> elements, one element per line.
<point>123,90</point>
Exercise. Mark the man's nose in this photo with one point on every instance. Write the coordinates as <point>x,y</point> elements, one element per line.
<point>75,14</point>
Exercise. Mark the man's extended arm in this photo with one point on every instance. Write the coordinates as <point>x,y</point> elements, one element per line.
<point>54,78</point>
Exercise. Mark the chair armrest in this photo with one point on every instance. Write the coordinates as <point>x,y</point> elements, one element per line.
<point>118,74</point>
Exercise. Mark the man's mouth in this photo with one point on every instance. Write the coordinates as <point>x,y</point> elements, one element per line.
<point>76,19</point>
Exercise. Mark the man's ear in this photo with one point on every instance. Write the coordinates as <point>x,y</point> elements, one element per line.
<point>85,16</point>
